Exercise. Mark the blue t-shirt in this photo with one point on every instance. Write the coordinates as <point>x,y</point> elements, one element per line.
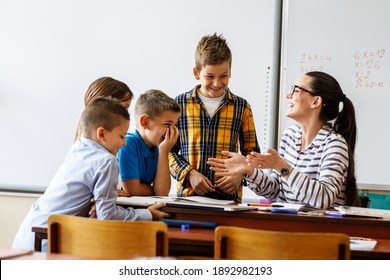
<point>136,160</point>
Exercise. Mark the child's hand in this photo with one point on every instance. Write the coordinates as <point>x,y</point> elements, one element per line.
<point>199,183</point>
<point>92,212</point>
<point>156,213</point>
<point>228,184</point>
<point>170,139</point>
<point>123,193</point>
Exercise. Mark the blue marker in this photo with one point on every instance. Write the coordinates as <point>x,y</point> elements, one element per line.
<point>284,210</point>
<point>333,214</point>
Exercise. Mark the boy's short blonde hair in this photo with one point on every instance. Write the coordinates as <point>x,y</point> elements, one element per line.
<point>212,50</point>
<point>154,103</point>
<point>103,112</point>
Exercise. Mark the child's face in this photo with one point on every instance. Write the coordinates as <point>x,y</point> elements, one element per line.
<point>115,139</point>
<point>155,131</point>
<point>213,79</point>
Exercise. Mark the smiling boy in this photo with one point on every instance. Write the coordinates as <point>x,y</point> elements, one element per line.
<point>212,119</point>
<point>143,162</point>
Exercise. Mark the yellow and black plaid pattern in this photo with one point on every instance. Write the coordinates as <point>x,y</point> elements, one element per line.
<point>201,137</point>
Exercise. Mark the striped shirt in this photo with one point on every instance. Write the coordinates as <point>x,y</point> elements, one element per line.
<point>319,171</point>
<point>201,137</point>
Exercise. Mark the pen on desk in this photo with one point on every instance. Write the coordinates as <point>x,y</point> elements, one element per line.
<point>260,204</point>
<point>277,205</point>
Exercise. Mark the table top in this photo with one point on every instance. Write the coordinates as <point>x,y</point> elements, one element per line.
<point>367,227</point>
<point>33,255</point>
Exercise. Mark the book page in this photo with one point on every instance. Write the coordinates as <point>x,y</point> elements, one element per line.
<point>368,212</point>
<point>209,206</point>
<point>150,200</point>
<point>205,200</point>
<point>142,200</point>
<point>358,243</point>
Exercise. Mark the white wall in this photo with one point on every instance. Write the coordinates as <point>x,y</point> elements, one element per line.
<point>51,51</point>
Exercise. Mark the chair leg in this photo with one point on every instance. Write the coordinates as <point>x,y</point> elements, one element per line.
<point>160,244</point>
<point>342,251</point>
<point>223,248</point>
<point>54,237</point>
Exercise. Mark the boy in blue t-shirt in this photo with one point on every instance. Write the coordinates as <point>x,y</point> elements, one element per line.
<point>143,162</point>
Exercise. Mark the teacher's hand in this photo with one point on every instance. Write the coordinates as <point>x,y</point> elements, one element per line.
<point>233,166</point>
<point>270,159</point>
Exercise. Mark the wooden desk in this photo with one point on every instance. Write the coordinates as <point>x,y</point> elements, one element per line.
<point>191,242</point>
<point>366,227</point>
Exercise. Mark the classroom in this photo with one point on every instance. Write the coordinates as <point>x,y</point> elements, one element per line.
<point>50,52</point>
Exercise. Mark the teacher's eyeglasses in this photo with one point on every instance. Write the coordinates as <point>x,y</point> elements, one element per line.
<point>295,87</point>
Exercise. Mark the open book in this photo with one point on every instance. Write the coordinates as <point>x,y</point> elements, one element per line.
<point>184,202</point>
<point>348,211</point>
<point>150,200</point>
<point>360,243</point>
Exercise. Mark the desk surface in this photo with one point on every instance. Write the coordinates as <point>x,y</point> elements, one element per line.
<point>367,227</point>
<point>48,256</point>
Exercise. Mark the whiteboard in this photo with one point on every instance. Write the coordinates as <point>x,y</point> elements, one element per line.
<point>50,52</point>
<point>349,40</point>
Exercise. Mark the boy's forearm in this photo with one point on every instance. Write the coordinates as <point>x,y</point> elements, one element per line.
<point>162,180</point>
<point>135,187</point>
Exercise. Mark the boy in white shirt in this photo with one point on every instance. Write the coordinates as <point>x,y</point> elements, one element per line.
<point>90,170</point>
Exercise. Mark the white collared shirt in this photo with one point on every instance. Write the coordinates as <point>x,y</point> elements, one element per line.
<point>89,170</point>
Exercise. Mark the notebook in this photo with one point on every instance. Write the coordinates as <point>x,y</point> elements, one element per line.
<point>209,206</point>
<point>146,201</point>
<point>360,243</point>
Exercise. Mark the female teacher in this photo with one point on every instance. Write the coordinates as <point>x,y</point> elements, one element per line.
<point>315,164</point>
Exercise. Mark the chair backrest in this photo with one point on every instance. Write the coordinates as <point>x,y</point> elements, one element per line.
<point>252,244</point>
<point>107,239</point>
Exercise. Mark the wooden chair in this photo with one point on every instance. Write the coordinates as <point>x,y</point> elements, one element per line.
<point>107,239</point>
<point>245,244</point>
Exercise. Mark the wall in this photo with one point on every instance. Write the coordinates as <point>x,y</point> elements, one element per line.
<point>13,209</point>
<point>51,51</point>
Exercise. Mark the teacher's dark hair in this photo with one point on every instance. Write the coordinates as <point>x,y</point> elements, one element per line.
<point>329,89</point>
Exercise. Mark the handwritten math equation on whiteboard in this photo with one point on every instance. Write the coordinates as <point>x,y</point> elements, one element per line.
<point>368,68</point>
<point>314,62</point>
